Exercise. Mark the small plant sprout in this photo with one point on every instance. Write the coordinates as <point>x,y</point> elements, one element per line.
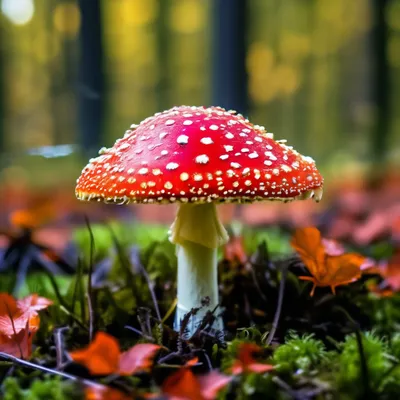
<point>198,157</point>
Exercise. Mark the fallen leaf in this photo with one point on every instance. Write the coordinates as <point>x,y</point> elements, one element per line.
<point>392,271</point>
<point>18,345</point>
<point>389,270</point>
<point>247,363</point>
<point>105,393</point>
<point>19,321</point>
<point>103,356</point>
<point>329,266</point>
<point>33,303</point>
<point>20,312</point>
<point>183,384</point>
<point>137,359</point>
<point>212,383</point>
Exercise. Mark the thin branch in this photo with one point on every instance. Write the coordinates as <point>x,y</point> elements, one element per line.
<point>90,287</point>
<point>279,307</point>
<point>38,367</point>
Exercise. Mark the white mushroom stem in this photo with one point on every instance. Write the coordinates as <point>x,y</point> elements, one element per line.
<point>197,233</point>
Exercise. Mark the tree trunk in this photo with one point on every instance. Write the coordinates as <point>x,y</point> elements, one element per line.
<point>229,55</point>
<point>91,77</point>
<point>381,82</point>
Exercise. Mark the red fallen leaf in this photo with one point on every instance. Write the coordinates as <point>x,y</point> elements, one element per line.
<point>19,321</point>
<point>185,385</point>
<point>18,345</point>
<point>212,383</point>
<point>105,393</point>
<point>392,271</point>
<point>246,361</point>
<point>388,270</point>
<point>326,269</point>
<point>103,356</point>
<point>21,312</point>
<point>137,359</point>
<point>33,303</point>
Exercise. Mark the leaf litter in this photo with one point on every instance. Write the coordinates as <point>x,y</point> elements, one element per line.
<point>108,332</point>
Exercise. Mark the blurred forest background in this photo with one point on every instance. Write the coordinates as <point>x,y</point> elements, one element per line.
<point>75,74</point>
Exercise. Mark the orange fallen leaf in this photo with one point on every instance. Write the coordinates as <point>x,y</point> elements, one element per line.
<point>247,363</point>
<point>103,356</point>
<point>326,262</point>
<point>185,385</point>
<point>39,212</point>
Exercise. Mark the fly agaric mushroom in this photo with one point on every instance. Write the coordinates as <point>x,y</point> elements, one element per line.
<point>198,157</point>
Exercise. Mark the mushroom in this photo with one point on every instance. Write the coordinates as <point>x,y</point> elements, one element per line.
<point>198,157</point>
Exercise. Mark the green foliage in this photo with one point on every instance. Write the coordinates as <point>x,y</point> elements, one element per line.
<point>48,388</point>
<point>299,353</point>
<point>277,241</point>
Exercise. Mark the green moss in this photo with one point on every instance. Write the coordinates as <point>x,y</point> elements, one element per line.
<point>349,378</point>
<point>299,353</point>
<point>48,388</point>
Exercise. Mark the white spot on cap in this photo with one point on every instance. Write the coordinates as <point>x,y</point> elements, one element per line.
<point>235,165</point>
<point>206,140</point>
<point>188,122</point>
<point>214,127</point>
<point>172,165</point>
<point>253,155</point>
<point>162,135</point>
<point>224,156</point>
<point>168,185</point>
<point>182,139</point>
<point>228,147</point>
<point>202,159</point>
<point>143,171</point>
<point>184,176</point>
<point>229,135</point>
<point>169,122</point>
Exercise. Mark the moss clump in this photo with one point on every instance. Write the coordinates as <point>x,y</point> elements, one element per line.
<point>299,354</point>
<point>48,388</point>
<point>354,383</point>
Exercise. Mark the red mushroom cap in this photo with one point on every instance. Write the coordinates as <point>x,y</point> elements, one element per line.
<point>198,154</point>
